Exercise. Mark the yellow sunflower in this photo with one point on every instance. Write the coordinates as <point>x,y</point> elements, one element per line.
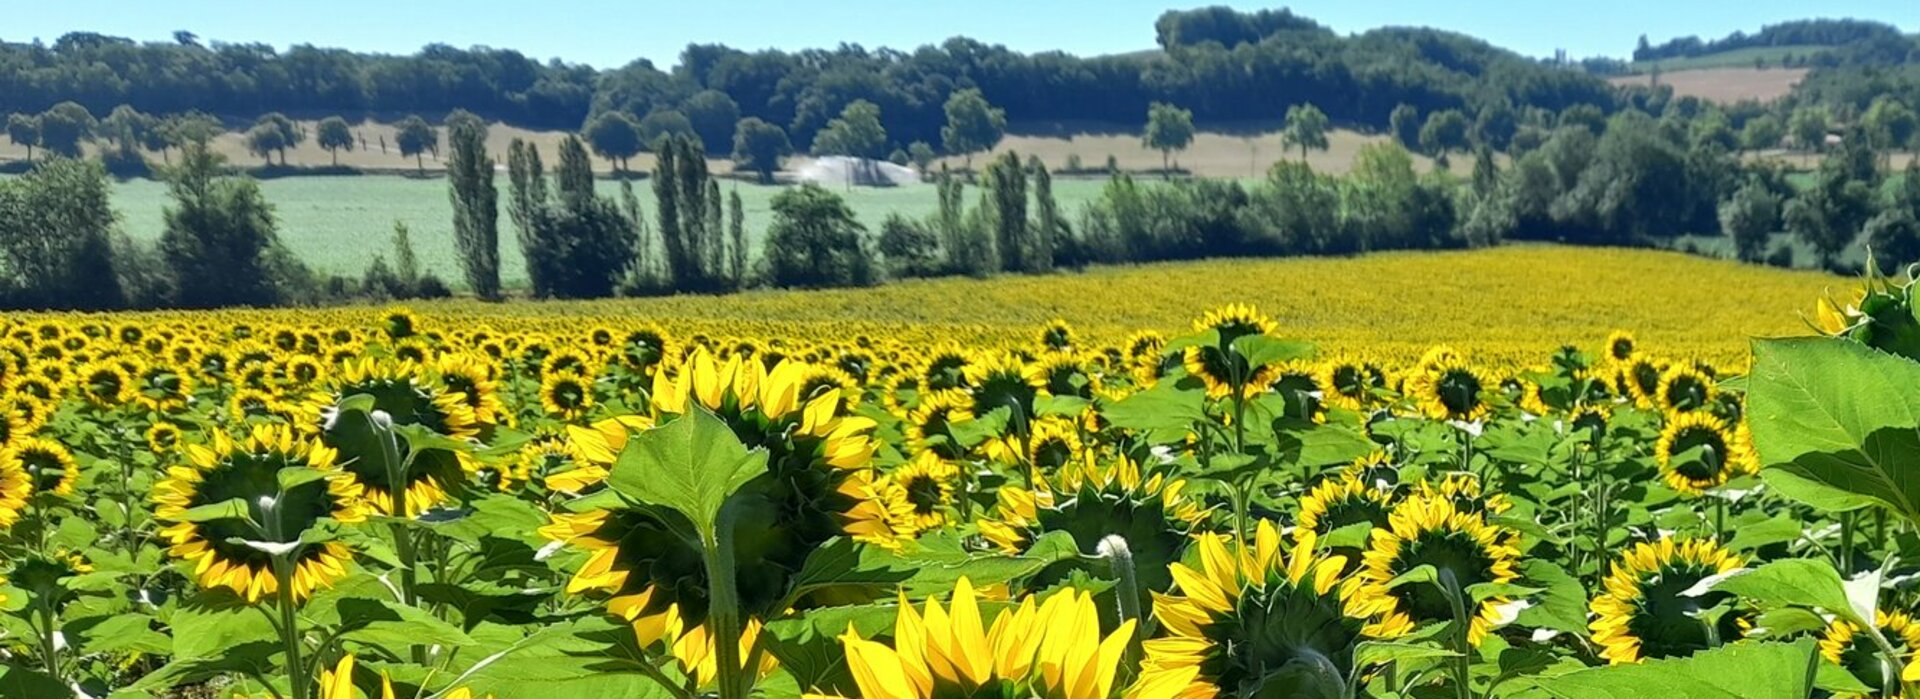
<point>234,553</point>
<point>928,426</point>
<point>409,395</point>
<point>1451,390</point>
<point>1051,649</point>
<point>1696,452</point>
<point>1685,388</point>
<point>1642,611</point>
<point>106,384</point>
<point>1218,365</point>
<point>16,487</point>
<point>566,396</point>
<point>1842,646</point>
<point>1429,530</point>
<point>50,468</point>
<point>1247,612</point>
<point>163,437</point>
<point>1620,346</point>
<point>928,482</point>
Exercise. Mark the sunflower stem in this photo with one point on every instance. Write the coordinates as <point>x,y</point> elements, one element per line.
<point>1119,555</point>
<point>49,649</point>
<point>1462,636</point>
<point>297,677</point>
<point>403,546</point>
<point>1846,542</point>
<point>724,608</point>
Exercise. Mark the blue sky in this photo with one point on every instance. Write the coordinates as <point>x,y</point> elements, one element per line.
<point>606,33</point>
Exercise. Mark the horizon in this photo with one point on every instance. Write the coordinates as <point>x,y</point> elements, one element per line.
<point>1119,27</point>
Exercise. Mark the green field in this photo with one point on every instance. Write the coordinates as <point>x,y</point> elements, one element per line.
<point>338,225</point>
<point>1737,58</point>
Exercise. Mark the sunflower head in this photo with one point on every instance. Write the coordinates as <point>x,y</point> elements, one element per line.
<point>1643,612</point>
<point>50,468</point>
<point>1057,336</point>
<point>1684,387</point>
<point>1842,644</point>
<point>929,425</point>
<point>642,349</point>
<point>409,395</point>
<point>566,396</point>
<point>1349,385</point>
<point>927,482</point>
<point>1697,452</point>
<point>1218,364</point>
<point>1620,346</point>
<point>237,552</point>
<point>1463,549</point>
<point>1252,615</point>
<point>1449,389</point>
<point>105,384</point>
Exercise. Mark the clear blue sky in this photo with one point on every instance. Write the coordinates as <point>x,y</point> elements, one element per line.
<point>607,33</point>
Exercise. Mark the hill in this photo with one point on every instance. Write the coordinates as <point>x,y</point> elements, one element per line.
<point>1723,85</point>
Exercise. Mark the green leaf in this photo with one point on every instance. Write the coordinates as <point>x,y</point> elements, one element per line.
<point>690,465</point>
<point>1767,532</point>
<point>225,509</point>
<point>1371,653</point>
<point>1791,582</point>
<point>1839,415</point>
<point>843,561</point>
<point>1262,350</point>
<point>291,478</point>
<point>1164,408</point>
<point>21,683</point>
<point>203,631</point>
<point>1562,606</point>
<point>1813,493</point>
<point>1737,671</point>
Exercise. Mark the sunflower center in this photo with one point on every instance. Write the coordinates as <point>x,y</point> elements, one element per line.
<point>1459,391</point>
<point>924,493</point>
<point>1699,454</point>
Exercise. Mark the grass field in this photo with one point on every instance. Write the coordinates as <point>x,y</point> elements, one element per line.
<point>1503,306</point>
<point>1726,84</point>
<point>339,224</point>
<point>1736,58</point>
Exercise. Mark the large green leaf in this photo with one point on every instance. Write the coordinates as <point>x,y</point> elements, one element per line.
<point>690,465</point>
<point>1738,671</point>
<point>1164,408</point>
<point>1841,416</point>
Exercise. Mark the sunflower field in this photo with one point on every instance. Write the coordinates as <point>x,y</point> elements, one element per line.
<point>385,504</point>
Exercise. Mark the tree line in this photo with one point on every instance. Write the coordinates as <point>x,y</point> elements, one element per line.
<point>1846,41</point>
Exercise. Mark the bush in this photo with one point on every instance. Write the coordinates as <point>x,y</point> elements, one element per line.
<point>815,242</point>
<point>56,239</point>
<point>910,248</point>
<point>1781,257</point>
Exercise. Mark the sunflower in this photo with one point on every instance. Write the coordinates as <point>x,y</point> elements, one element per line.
<point>1640,380</point>
<point>474,379</point>
<point>1644,612</point>
<point>1697,452</point>
<point>591,450</point>
<point>1685,388</point>
<point>16,487</point>
<point>1298,385</point>
<point>1348,385</point>
<point>1841,646</point>
<point>566,396</point>
<point>645,348</point>
<point>162,388</point>
<point>1145,355</point>
<point>1449,389</point>
<point>1590,418</point>
<point>1340,502</point>
<point>1464,490</point>
<point>163,437</point>
<point>1055,445</point>
<point>1051,649</point>
<point>251,472</point>
<point>106,384</point>
<point>1429,530</point>
<point>929,425</point>
<point>1252,616</point>
<point>945,367</point>
<point>50,468</point>
<point>400,323</point>
<point>13,425</point>
<point>1000,381</point>
<point>1620,346</point>
<point>1219,365</point>
<point>928,484</point>
<point>1057,336</point>
<point>1376,469</point>
<point>409,395</point>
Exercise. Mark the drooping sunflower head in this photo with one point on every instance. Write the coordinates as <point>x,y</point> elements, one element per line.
<point>645,348</point>
<point>1041,649</point>
<point>163,437</point>
<point>1063,374</point>
<point>1643,612</point>
<point>235,553</point>
<point>1005,381</point>
<point>400,323</point>
<point>1348,385</point>
<point>1589,420</point>
<point>1217,364</point>
<point>1685,388</point>
<point>1640,379</point>
<point>1697,452</point>
<point>476,380</point>
<point>161,387</point>
<point>946,368</point>
<point>1055,445</point>
<point>1251,615</point>
<point>1842,644</point>
<point>1145,353</point>
<point>1342,501</point>
<point>1463,549</point>
<point>1451,390</point>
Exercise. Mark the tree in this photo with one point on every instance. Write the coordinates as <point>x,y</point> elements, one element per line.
<point>856,133</point>
<point>63,127</point>
<point>126,128</point>
<point>1893,236</point>
<point>972,124</point>
<point>264,140</point>
<point>581,245</point>
<point>616,137</point>
<point>476,209</point>
<point>664,123</point>
<point>910,249</point>
<point>737,234</point>
<point>1444,132</point>
<point>1404,124</point>
<point>1306,127</point>
<point>56,239</point>
<point>1005,200</point>
<point>922,156</point>
<point>526,188</point>
<point>1890,123</point>
<point>1808,125</point>
<point>1750,218</point>
<point>24,130</point>
<point>1495,125</point>
<point>274,133</point>
<point>415,137</point>
<point>714,117</point>
<point>219,241</point>
<point>1050,231</point>
<point>815,241</point>
<point>1169,129</point>
<point>1585,116</point>
<point>759,146</point>
<point>1762,132</point>
<point>334,135</point>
